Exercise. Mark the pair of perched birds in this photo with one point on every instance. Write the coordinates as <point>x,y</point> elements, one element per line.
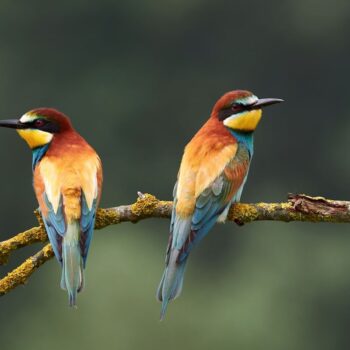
<point>67,179</point>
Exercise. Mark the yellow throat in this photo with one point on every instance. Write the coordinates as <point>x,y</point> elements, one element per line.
<point>35,138</point>
<point>246,121</point>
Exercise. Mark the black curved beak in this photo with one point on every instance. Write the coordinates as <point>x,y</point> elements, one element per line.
<point>12,123</point>
<point>263,102</point>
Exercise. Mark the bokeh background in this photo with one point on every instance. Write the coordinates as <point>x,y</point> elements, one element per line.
<point>138,78</point>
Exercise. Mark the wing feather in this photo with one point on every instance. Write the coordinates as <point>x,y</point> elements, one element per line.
<point>210,204</point>
<point>55,225</point>
<point>87,224</point>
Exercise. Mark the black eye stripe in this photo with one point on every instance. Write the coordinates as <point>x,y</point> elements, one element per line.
<point>238,107</point>
<point>234,109</point>
<point>36,122</point>
<point>44,125</point>
<point>225,113</point>
<point>39,122</point>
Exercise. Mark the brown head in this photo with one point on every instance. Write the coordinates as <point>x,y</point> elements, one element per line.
<point>38,126</point>
<point>241,110</point>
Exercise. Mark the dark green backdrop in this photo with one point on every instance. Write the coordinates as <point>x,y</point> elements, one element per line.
<point>138,78</point>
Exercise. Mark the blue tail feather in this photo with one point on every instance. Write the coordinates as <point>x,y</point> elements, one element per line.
<point>171,284</point>
<point>72,278</point>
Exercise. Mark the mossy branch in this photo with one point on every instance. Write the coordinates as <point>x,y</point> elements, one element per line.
<point>297,208</point>
<point>21,273</point>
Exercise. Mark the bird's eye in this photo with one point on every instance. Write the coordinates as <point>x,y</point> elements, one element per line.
<point>236,107</point>
<point>39,123</point>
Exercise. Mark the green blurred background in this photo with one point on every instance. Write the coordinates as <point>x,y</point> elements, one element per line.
<point>138,78</point>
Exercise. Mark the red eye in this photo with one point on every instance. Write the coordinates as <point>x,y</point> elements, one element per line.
<point>238,107</point>
<point>39,122</point>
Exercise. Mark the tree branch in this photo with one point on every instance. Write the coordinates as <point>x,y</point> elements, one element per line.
<point>21,273</point>
<point>297,208</point>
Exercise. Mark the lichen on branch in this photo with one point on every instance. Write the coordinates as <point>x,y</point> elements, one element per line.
<point>297,208</point>
<point>21,273</point>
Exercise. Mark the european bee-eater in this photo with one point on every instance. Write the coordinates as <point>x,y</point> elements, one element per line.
<point>67,179</point>
<point>212,175</point>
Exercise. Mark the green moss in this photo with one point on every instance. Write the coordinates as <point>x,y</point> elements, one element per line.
<point>47,251</point>
<point>4,254</point>
<point>243,213</point>
<point>105,217</point>
<point>17,276</point>
<point>144,205</point>
<point>33,235</point>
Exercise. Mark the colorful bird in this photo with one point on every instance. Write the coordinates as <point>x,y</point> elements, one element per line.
<point>212,175</point>
<point>67,179</point>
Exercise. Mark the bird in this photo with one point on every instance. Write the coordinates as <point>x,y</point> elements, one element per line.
<point>212,174</point>
<point>67,181</point>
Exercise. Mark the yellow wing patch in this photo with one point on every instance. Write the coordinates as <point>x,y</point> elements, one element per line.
<point>69,178</point>
<point>49,172</point>
<point>197,172</point>
<point>89,182</point>
<point>212,167</point>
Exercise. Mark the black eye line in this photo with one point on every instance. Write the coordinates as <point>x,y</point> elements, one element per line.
<point>40,120</point>
<point>238,107</point>
<point>234,108</point>
<point>32,122</point>
<point>47,125</point>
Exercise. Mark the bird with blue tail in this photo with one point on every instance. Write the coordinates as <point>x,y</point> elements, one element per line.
<point>67,179</point>
<point>213,171</point>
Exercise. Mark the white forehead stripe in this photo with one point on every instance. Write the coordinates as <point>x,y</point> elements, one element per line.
<point>27,118</point>
<point>247,100</point>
